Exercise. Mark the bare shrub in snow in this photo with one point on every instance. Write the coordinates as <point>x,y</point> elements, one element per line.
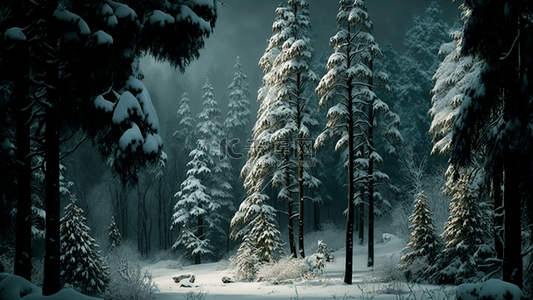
<point>417,270</point>
<point>200,295</point>
<point>389,271</point>
<point>285,270</point>
<point>128,280</point>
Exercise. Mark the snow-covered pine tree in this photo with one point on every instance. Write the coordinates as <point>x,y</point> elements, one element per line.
<point>235,126</point>
<point>254,213</point>
<point>424,244</point>
<point>181,138</point>
<point>239,104</point>
<point>190,210</point>
<point>454,76</point>
<point>290,81</point>
<point>245,261</point>
<point>185,134</point>
<point>255,221</point>
<point>204,196</point>
<point>468,248</point>
<point>114,237</point>
<point>86,37</point>
<point>82,266</point>
<point>349,83</point>
<point>493,119</point>
<point>412,83</point>
<point>210,133</point>
<point>324,250</point>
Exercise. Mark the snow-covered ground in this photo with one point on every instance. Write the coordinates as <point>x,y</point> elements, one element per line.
<point>329,286</point>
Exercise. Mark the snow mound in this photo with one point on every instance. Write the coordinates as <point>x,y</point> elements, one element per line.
<point>492,289</point>
<point>15,33</point>
<point>13,287</point>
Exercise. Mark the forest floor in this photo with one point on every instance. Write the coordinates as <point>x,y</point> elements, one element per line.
<point>366,283</point>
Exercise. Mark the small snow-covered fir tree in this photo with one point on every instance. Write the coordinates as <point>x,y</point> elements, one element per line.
<point>317,261</point>
<point>245,261</point>
<point>82,266</point>
<point>468,249</point>
<point>255,221</point>
<point>204,195</point>
<point>324,250</point>
<point>424,244</point>
<point>114,237</point>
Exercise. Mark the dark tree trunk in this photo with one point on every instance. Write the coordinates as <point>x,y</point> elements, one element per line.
<point>52,268</point>
<point>23,250</point>
<point>143,220</point>
<point>361,222</point>
<point>52,265</point>
<point>350,217</point>
<point>370,137</point>
<point>512,250</point>
<point>498,210</point>
<point>290,225</point>
<point>300,209</point>
<point>299,107</point>
<point>316,217</point>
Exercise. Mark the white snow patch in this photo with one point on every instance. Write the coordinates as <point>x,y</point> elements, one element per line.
<point>150,144</point>
<point>186,14</point>
<point>160,18</point>
<point>491,289</point>
<point>127,105</point>
<point>64,15</point>
<point>131,137</point>
<point>15,33</point>
<point>122,11</point>
<point>102,103</point>
<point>103,38</point>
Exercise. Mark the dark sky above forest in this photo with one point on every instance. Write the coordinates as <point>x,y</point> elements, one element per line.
<point>243,29</point>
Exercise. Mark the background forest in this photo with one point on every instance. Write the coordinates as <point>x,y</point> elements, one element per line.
<point>241,160</point>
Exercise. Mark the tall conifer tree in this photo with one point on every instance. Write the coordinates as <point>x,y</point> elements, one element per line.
<point>349,86</point>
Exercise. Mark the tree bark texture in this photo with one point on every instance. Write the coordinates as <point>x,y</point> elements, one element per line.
<point>23,250</point>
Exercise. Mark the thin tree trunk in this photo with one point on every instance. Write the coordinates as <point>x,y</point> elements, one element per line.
<point>292,245</point>
<point>361,221</point>
<point>23,250</point>
<point>498,210</point>
<point>512,250</point>
<point>52,265</point>
<point>351,189</point>
<point>300,150</point>
<point>316,212</point>
<point>370,262</point>
<point>52,268</point>
<point>123,207</point>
